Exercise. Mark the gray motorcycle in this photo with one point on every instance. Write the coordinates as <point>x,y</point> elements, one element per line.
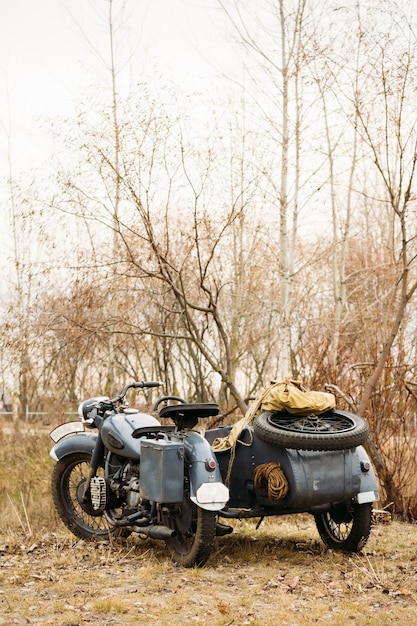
<point>121,471</point>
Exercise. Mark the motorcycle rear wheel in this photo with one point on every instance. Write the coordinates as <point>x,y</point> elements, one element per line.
<point>195,530</point>
<point>68,478</point>
<point>346,526</point>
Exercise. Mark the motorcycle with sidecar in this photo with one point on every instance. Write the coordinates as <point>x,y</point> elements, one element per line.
<point>119,471</point>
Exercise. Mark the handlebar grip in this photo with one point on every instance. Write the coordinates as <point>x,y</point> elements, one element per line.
<point>136,385</point>
<point>147,384</point>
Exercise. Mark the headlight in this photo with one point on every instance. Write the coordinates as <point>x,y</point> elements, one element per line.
<point>87,410</point>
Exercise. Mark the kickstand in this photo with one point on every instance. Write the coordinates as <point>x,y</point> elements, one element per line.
<point>261,519</point>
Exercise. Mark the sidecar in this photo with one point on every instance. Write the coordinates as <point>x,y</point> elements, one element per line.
<point>337,487</point>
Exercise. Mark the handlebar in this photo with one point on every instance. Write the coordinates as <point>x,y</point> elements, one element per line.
<point>137,385</point>
<point>149,383</point>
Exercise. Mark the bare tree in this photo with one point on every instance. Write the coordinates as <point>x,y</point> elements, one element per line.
<point>273,39</point>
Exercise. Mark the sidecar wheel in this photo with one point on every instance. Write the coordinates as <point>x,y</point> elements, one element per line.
<point>195,530</point>
<point>68,478</point>
<point>345,527</point>
<point>333,430</point>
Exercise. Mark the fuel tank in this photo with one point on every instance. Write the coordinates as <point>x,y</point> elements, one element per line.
<point>117,429</point>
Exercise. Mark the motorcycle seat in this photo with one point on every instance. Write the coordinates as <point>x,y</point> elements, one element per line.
<point>192,411</point>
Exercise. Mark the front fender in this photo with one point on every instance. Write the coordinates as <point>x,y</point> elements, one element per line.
<point>206,486</point>
<point>79,442</point>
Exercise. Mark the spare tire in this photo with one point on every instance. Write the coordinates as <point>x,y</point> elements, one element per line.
<point>332,430</point>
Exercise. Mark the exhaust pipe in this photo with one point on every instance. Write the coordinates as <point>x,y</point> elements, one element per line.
<point>154,532</point>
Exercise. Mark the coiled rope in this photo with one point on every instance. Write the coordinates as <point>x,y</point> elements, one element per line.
<point>271,477</point>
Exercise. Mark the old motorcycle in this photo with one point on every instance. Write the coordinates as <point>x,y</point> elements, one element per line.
<point>121,471</point>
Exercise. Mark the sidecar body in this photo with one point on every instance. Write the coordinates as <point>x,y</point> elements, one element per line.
<point>316,479</point>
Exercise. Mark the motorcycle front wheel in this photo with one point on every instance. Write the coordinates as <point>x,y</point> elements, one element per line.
<point>67,482</point>
<point>195,530</point>
<point>346,526</point>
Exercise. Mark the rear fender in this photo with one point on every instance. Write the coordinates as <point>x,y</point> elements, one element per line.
<point>369,485</point>
<point>206,485</point>
<point>79,442</point>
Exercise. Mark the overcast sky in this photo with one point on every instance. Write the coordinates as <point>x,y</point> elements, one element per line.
<point>46,63</point>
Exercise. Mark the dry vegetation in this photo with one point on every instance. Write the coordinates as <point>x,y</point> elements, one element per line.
<point>278,574</point>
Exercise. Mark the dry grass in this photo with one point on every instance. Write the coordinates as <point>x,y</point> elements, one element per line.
<point>278,574</point>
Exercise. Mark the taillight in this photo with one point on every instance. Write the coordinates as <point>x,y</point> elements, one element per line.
<point>210,465</point>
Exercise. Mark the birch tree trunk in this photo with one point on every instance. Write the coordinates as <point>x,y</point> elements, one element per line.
<point>285,30</point>
<point>110,388</point>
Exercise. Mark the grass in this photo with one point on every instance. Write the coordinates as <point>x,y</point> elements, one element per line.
<point>25,468</point>
<point>279,574</point>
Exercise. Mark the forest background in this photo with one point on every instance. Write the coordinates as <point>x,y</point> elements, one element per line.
<point>216,237</point>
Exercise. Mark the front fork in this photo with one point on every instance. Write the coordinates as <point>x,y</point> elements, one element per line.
<point>96,461</point>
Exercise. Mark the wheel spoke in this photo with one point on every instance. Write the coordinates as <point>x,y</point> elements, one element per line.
<point>340,531</point>
<point>314,424</point>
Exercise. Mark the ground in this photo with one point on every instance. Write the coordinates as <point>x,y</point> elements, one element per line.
<point>279,574</point>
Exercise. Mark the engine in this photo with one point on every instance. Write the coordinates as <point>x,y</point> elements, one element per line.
<point>131,485</point>
<point>121,489</point>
